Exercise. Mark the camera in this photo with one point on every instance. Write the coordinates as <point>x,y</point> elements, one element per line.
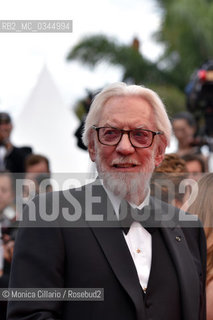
<point>199,97</point>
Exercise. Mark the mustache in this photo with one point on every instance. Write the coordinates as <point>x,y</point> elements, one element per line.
<point>124,160</point>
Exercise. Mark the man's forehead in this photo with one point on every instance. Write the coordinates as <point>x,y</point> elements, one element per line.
<point>126,110</point>
<point>124,98</point>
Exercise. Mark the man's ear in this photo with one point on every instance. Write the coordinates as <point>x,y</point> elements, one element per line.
<point>159,154</point>
<point>92,150</point>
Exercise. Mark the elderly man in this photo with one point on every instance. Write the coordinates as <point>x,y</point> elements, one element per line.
<point>154,271</point>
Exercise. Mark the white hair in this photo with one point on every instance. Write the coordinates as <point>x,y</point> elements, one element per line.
<point>122,89</point>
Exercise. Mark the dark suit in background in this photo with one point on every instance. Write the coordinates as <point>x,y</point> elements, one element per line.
<point>15,159</point>
<point>11,158</point>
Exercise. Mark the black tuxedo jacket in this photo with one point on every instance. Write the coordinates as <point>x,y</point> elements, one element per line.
<point>86,255</point>
<point>15,159</point>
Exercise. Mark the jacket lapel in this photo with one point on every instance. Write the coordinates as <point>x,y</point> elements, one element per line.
<point>186,270</point>
<point>116,251</point>
<point>182,257</point>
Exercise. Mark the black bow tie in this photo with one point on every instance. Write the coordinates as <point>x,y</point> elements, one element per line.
<point>127,215</point>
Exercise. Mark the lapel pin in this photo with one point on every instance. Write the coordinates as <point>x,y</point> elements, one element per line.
<point>178,238</point>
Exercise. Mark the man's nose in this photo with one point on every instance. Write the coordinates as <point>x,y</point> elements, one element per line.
<point>124,146</point>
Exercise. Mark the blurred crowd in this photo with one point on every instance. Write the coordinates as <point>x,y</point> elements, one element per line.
<point>15,163</point>
<point>173,181</point>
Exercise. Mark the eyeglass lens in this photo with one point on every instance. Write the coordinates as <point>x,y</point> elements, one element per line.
<point>138,137</point>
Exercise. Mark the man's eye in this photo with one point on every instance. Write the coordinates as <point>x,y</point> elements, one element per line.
<point>110,132</point>
<point>139,133</point>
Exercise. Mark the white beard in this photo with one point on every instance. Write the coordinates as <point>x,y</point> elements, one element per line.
<point>132,186</point>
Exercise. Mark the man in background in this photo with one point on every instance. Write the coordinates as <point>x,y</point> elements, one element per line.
<point>38,174</point>
<point>11,158</point>
<point>196,165</point>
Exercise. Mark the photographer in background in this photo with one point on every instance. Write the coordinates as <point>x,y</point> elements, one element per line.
<point>199,98</point>
<point>11,158</point>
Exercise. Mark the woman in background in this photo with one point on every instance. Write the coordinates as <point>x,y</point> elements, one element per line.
<point>203,207</point>
<point>167,178</point>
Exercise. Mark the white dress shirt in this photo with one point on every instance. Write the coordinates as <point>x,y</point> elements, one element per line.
<point>139,241</point>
